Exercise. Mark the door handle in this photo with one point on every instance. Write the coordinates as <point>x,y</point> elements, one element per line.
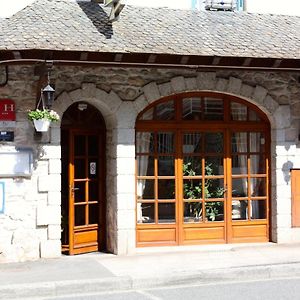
<point>74,189</point>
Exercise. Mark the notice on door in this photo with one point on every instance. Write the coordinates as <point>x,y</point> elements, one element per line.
<point>92,168</point>
<point>1,197</point>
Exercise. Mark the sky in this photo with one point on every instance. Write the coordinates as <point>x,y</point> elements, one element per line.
<point>288,7</point>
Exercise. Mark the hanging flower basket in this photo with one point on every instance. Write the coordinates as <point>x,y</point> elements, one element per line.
<point>42,118</point>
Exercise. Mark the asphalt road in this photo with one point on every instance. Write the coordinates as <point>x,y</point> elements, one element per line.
<point>278,289</point>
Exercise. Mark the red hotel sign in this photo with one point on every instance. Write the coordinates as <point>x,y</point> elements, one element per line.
<point>7,110</point>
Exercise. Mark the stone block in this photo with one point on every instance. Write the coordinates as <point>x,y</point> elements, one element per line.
<point>206,80</point>
<point>165,89</point>
<point>126,242</point>
<point>126,219</point>
<point>124,136</point>
<point>50,151</point>
<point>222,85</point>
<point>234,85</point>
<point>49,183</point>
<point>88,90</point>
<point>125,166</point>
<point>54,232</point>
<point>191,83</point>
<point>291,135</point>
<point>151,92</point>
<point>126,201</point>
<point>76,95</point>
<point>48,215</point>
<point>270,104</point>
<point>50,249</point>
<point>126,115</point>
<point>54,166</point>
<point>113,101</point>
<point>140,103</point>
<point>55,135</point>
<point>259,94</point>
<point>282,117</point>
<point>127,151</point>
<point>178,84</point>
<point>246,91</point>
<point>126,184</point>
<point>54,198</point>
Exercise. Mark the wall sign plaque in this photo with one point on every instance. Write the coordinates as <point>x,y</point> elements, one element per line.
<point>6,136</point>
<point>7,110</point>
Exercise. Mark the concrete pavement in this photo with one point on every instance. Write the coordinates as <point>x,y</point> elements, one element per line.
<point>151,267</point>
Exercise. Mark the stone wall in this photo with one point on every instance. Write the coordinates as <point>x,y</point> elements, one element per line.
<point>30,226</point>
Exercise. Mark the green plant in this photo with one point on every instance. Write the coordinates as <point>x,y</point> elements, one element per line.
<point>39,114</point>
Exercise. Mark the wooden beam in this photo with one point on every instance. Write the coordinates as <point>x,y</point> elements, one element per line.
<point>247,62</point>
<point>118,57</point>
<point>184,59</point>
<point>17,54</point>
<point>152,58</point>
<point>216,60</point>
<point>84,56</point>
<point>277,63</point>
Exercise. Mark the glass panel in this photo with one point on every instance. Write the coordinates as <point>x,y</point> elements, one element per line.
<point>239,142</point>
<point>239,164</point>
<point>238,111</point>
<point>192,212</point>
<point>239,187</point>
<point>213,142</point>
<point>214,211</point>
<point>257,142</point>
<point>239,210</point>
<point>192,189</point>
<point>79,191</point>
<point>192,143</point>
<point>192,166</point>
<point>79,215</point>
<point>166,213</point>
<point>93,191</point>
<point>213,109</point>
<point>145,189</point>
<point>258,187</point>
<point>145,212</point>
<point>191,109</point>
<point>93,145</point>
<point>214,188</point>
<point>253,116</point>
<point>145,142</point>
<point>258,209</point>
<point>257,164</point>
<point>164,111</point>
<point>166,166</point>
<point>79,168</point>
<point>93,214</point>
<point>165,142</point>
<point>147,115</point>
<point>93,168</point>
<point>145,165</point>
<point>214,166</point>
<point>79,145</point>
<point>166,189</point>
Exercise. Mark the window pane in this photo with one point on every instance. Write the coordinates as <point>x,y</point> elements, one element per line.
<point>93,145</point>
<point>239,210</point>
<point>164,111</point>
<point>214,211</point>
<point>213,109</point>
<point>79,191</point>
<point>145,189</point>
<point>145,213</point>
<point>258,187</point>
<point>145,165</point>
<point>257,164</point>
<point>166,166</point>
<point>192,189</point>
<point>165,142</point>
<point>192,143</point>
<point>166,189</point>
<point>214,166</point>
<point>213,142</point>
<point>193,212</point>
<point>214,188</point>
<point>239,164</point>
<point>238,111</point>
<point>257,142</point>
<point>192,166</point>
<point>93,214</point>
<point>79,145</point>
<point>239,142</point>
<point>166,213</point>
<point>145,142</point>
<point>253,116</point>
<point>191,109</point>
<point>239,187</point>
<point>147,115</point>
<point>79,215</point>
<point>79,168</point>
<point>258,209</point>
<point>93,191</point>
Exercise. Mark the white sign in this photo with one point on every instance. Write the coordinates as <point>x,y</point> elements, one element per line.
<point>1,197</point>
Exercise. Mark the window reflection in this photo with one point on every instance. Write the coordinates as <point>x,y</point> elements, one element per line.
<point>145,213</point>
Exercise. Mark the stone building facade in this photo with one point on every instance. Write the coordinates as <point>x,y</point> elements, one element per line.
<point>30,227</point>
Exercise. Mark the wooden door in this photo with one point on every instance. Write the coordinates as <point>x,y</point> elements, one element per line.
<point>295,182</point>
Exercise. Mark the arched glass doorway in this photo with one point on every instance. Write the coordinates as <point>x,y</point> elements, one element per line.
<point>83,179</point>
<point>202,165</point>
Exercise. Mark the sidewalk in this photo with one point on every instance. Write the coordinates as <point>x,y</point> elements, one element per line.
<point>151,267</point>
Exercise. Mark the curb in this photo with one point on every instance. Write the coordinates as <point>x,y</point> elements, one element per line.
<point>209,276</point>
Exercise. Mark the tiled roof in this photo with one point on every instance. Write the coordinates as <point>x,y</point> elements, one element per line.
<point>84,26</point>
